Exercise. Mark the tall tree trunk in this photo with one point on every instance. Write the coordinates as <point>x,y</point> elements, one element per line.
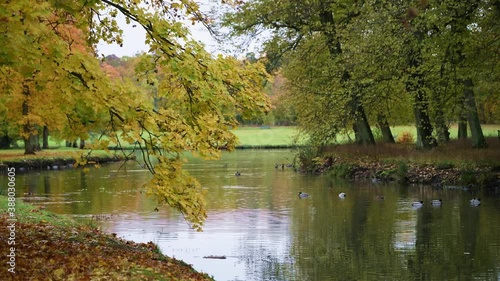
<point>415,86</point>
<point>425,140</point>
<point>442,131</point>
<point>28,129</point>
<point>82,143</point>
<point>45,138</point>
<point>357,135</point>
<point>462,129</point>
<point>362,130</point>
<point>36,142</point>
<point>478,140</point>
<point>443,134</point>
<point>385,129</point>
<point>462,123</point>
<point>365,135</point>
<point>5,141</point>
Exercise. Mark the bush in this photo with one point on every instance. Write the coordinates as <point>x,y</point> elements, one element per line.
<point>406,138</point>
<point>468,177</point>
<point>341,170</point>
<point>307,158</point>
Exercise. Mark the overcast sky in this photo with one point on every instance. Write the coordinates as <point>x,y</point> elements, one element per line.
<point>133,41</point>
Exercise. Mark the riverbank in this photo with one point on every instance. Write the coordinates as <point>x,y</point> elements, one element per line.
<point>455,165</point>
<point>54,159</point>
<point>55,247</point>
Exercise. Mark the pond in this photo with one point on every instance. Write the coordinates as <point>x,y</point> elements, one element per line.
<point>266,232</point>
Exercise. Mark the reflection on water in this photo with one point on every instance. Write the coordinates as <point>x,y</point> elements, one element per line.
<point>257,221</point>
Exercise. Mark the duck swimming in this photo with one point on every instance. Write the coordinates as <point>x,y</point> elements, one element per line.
<point>417,204</point>
<point>237,174</point>
<point>475,201</point>
<point>342,195</point>
<point>303,195</point>
<point>436,202</point>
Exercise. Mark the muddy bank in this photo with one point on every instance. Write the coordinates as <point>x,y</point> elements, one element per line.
<point>56,163</point>
<point>407,172</point>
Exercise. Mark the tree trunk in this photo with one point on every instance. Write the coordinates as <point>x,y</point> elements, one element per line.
<point>478,140</point>
<point>75,144</point>
<point>365,135</point>
<point>385,129</point>
<point>415,86</point>
<point>82,143</point>
<point>443,134</point>
<point>5,142</point>
<point>36,142</point>
<point>45,138</point>
<point>462,126</point>
<point>425,140</point>
<point>442,131</point>
<point>28,129</point>
<point>362,130</point>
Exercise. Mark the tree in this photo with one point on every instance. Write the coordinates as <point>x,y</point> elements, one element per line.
<point>385,56</point>
<point>293,23</point>
<point>201,89</point>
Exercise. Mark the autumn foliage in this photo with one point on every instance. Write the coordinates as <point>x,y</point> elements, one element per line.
<point>48,252</point>
<point>178,98</point>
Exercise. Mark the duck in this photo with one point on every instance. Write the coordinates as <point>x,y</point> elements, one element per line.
<point>303,195</point>
<point>436,202</point>
<point>417,204</point>
<point>237,174</point>
<point>380,197</point>
<point>342,195</point>
<point>475,201</point>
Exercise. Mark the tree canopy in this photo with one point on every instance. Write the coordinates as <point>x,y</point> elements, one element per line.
<point>351,63</point>
<point>51,78</point>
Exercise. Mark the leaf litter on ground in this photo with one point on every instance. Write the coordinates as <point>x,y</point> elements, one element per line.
<point>45,251</point>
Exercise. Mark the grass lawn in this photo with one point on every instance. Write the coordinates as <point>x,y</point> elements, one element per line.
<point>256,136</point>
<point>62,152</point>
<point>282,136</point>
<point>276,136</point>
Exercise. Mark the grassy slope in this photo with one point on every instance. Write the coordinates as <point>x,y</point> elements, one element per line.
<point>55,247</point>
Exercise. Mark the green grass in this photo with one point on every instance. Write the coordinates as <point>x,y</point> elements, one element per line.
<point>284,136</point>
<point>489,130</point>
<point>275,136</point>
<point>63,153</point>
<point>27,213</point>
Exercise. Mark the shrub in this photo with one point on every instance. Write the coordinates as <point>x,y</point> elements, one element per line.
<point>307,158</point>
<point>341,170</point>
<point>468,177</point>
<point>406,138</point>
<point>402,172</point>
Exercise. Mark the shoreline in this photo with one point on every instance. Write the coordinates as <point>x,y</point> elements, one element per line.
<point>63,160</point>
<point>49,245</point>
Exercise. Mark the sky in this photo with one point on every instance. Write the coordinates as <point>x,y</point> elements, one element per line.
<point>133,40</point>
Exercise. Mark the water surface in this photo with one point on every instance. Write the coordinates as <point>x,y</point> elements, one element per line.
<point>266,232</point>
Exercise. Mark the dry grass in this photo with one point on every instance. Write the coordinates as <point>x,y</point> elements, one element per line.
<point>456,152</point>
